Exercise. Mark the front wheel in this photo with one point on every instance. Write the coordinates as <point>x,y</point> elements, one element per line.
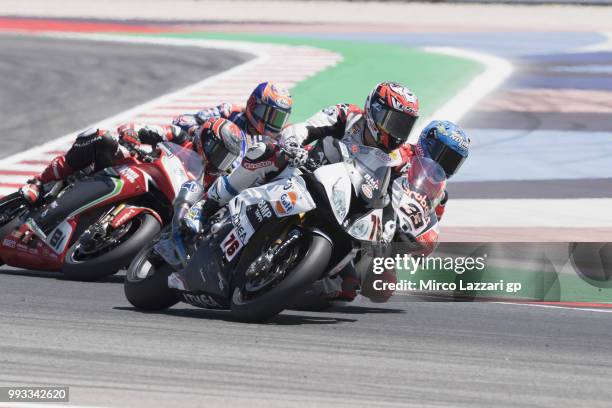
<point>11,208</point>
<point>106,256</point>
<point>146,282</point>
<point>264,290</point>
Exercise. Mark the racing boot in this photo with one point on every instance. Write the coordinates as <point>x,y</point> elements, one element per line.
<point>57,170</point>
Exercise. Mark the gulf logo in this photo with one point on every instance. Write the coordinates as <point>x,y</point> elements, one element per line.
<point>286,203</point>
<point>366,190</point>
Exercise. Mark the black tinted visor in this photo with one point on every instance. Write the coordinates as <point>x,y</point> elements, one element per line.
<point>217,154</point>
<point>397,124</point>
<point>447,158</point>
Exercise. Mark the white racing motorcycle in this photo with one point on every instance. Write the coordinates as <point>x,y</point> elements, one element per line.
<point>262,250</point>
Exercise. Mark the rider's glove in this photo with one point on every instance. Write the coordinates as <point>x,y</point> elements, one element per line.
<point>31,191</point>
<point>296,154</point>
<point>129,137</point>
<point>149,136</point>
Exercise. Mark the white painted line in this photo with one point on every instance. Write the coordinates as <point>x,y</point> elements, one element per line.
<point>584,309</point>
<point>496,71</point>
<point>605,45</point>
<point>569,213</point>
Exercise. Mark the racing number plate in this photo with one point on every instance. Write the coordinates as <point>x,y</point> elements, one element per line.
<point>231,245</point>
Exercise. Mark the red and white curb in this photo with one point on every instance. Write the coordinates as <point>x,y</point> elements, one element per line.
<point>285,64</point>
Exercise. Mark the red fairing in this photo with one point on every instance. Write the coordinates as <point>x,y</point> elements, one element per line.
<point>129,213</point>
<point>23,249</point>
<point>440,211</point>
<point>428,241</point>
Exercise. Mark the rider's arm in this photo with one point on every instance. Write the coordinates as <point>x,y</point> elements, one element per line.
<point>223,111</point>
<point>153,134</point>
<point>261,161</point>
<point>331,121</point>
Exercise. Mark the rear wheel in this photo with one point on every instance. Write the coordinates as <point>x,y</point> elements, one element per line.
<point>146,282</point>
<point>95,259</point>
<point>273,272</point>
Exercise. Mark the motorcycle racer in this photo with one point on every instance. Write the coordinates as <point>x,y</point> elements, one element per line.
<point>386,121</point>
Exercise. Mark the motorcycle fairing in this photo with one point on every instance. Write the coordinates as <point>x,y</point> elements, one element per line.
<point>85,194</point>
<point>412,210</point>
<point>368,227</point>
<point>337,183</point>
<point>205,273</point>
<point>285,197</point>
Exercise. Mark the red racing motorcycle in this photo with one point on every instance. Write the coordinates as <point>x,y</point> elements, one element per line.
<point>94,226</point>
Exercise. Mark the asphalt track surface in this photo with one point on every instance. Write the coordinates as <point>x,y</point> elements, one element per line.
<point>86,335</point>
<point>50,87</point>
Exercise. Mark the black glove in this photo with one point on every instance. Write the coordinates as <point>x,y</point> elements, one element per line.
<point>148,136</point>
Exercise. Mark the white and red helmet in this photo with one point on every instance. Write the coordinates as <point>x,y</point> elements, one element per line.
<point>391,110</point>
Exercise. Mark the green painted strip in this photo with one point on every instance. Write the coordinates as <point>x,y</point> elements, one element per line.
<point>116,190</point>
<point>434,78</point>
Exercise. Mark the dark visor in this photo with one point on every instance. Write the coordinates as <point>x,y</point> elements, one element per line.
<point>217,154</point>
<point>447,158</point>
<point>397,124</point>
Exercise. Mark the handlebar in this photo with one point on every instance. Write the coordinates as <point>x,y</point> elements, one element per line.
<point>310,166</point>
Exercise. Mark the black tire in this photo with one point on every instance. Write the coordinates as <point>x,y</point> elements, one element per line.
<point>274,301</point>
<point>152,292</point>
<point>11,202</point>
<point>110,262</point>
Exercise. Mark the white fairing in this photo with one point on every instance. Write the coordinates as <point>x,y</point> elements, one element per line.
<point>284,197</point>
<point>337,183</point>
<point>411,209</point>
<point>176,172</point>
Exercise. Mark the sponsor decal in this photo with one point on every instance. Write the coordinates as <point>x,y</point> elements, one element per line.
<point>286,203</point>
<point>384,156</point>
<point>128,173</point>
<point>456,136</point>
<point>9,243</point>
<point>190,186</point>
<point>254,166</point>
<point>258,214</point>
<point>372,182</point>
<point>366,190</point>
<point>125,215</point>
<point>200,300</point>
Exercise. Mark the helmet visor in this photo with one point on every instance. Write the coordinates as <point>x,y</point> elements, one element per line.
<point>274,119</point>
<point>397,124</point>
<point>446,157</point>
<point>217,155</point>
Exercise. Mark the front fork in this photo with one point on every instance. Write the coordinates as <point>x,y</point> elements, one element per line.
<point>100,229</point>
